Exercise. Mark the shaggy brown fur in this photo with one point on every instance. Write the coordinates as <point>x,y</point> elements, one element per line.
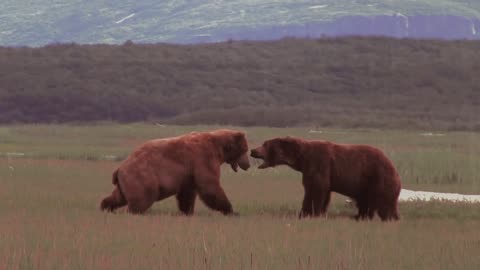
<point>360,172</point>
<point>181,166</point>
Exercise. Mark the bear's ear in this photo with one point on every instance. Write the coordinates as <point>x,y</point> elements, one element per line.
<point>234,143</point>
<point>239,137</point>
<point>238,141</point>
<point>287,144</point>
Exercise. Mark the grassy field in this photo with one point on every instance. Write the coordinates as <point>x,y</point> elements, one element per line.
<point>53,177</point>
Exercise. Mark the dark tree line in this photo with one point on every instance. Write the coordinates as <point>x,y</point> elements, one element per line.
<point>349,82</point>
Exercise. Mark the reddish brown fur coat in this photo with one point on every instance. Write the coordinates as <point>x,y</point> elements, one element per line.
<point>360,172</point>
<point>181,166</point>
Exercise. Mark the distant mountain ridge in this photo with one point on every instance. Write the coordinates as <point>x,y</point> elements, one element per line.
<point>37,23</point>
<point>399,26</point>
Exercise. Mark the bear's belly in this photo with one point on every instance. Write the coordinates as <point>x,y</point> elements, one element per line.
<point>345,186</point>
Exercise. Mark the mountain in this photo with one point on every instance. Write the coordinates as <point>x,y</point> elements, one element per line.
<point>36,23</point>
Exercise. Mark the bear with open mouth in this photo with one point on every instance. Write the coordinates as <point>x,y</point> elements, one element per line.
<point>183,166</point>
<point>360,172</point>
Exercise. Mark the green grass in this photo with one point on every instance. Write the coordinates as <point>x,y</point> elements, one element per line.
<point>442,163</point>
<point>49,217</point>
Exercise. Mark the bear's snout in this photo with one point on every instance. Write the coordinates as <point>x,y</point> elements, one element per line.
<point>256,153</point>
<point>244,162</point>
<point>260,153</point>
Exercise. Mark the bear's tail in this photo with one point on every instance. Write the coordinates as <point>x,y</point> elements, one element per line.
<point>116,183</point>
<point>115,177</point>
<point>117,198</point>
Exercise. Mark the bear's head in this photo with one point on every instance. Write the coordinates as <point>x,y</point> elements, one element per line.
<point>278,151</point>
<point>234,148</point>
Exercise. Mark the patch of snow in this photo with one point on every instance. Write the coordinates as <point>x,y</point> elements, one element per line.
<point>331,132</point>
<point>318,6</point>
<point>430,134</point>
<point>410,195</point>
<point>405,18</point>
<point>110,157</point>
<point>474,29</point>
<point>35,13</point>
<point>125,18</point>
<point>211,24</point>
<point>14,154</point>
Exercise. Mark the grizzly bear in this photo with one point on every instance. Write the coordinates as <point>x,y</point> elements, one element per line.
<point>360,172</point>
<point>181,166</point>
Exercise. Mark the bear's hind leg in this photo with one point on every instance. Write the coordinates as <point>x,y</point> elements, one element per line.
<point>363,209</point>
<point>307,205</point>
<point>396,216</point>
<point>386,206</point>
<point>383,213</point>
<point>371,207</point>
<point>393,212</point>
<point>186,200</point>
<point>114,201</point>
<point>388,213</point>
<point>139,206</point>
<point>367,204</point>
<point>371,212</point>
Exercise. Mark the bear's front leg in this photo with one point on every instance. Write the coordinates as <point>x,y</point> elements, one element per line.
<point>317,194</point>
<point>210,192</point>
<point>307,205</point>
<point>215,198</point>
<point>321,200</point>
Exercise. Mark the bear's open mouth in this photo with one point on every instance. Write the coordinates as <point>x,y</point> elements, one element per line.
<point>256,153</point>
<point>243,162</point>
<point>234,166</point>
<point>264,164</point>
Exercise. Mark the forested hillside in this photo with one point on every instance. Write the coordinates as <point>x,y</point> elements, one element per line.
<point>354,82</point>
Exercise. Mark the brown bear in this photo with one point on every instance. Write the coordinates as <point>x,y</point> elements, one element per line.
<point>181,166</point>
<point>360,172</point>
